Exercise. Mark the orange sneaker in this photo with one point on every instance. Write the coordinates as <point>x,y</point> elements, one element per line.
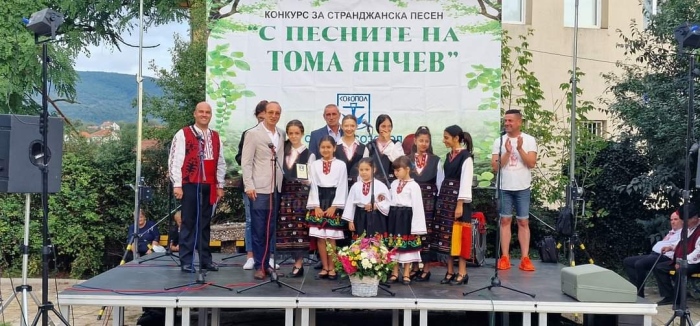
<point>504,263</point>
<point>526,264</point>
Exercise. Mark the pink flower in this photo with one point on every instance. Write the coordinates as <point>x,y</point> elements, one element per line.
<point>347,265</point>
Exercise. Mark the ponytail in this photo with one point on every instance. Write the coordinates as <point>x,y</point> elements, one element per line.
<point>467,140</point>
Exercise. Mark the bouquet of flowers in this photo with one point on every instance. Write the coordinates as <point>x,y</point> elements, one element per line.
<point>365,257</point>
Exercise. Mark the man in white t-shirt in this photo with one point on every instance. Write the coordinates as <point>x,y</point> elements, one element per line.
<point>518,152</point>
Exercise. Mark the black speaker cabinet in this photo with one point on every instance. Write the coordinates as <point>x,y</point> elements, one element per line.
<point>20,146</point>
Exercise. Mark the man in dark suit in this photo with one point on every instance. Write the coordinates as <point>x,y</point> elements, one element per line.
<point>332,128</point>
<point>259,172</point>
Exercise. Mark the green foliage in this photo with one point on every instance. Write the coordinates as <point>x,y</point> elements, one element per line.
<point>650,96</point>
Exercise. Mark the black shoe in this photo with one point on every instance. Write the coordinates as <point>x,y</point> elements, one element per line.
<point>187,269</point>
<point>296,272</point>
<point>422,277</point>
<point>460,279</point>
<point>448,278</point>
<point>211,267</point>
<point>665,302</point>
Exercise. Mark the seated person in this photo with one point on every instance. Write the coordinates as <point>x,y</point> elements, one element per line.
<point>691,246</point>
<point>149,236</point>
<point>174,233</point>
<point>637,267</point>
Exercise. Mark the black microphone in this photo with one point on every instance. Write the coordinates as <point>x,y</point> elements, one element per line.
<point>366,124</point>
<point>503,132</point>
<point>270,145</point>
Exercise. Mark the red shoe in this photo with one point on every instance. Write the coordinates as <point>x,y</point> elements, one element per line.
<point>526,264</point>
<point>503,263</point>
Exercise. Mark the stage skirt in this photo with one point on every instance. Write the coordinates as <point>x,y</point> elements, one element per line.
<point>408,246</point>
<point>429,194</point>
<point>369,223</point>
<point>326,227</point>
<point>292,229</point>
<point>444,219</point>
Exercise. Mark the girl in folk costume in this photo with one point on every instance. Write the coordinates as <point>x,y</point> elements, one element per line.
<point>428,173</point>
<point>384,150</point>
<point>454,200</point>
<point>329,189</point>
<point>359,211</point>
<point>406,222</point>
<point>350,150</point>
<point>292,231</point>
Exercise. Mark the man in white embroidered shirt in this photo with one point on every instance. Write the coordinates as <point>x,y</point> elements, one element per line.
<point>197,170</point>
<point>637,267</point>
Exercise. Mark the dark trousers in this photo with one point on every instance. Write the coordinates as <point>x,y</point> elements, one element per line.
<point>193,237</point>
<point>664,280</point>
<point>263,223</point>
<point>637,268</point>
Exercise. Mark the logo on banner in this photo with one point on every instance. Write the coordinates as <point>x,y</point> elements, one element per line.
<point>357,105</point>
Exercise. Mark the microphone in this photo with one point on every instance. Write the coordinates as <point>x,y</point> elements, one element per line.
<point>270,145</point>
<point>503,132</point>
<point>366,124</point>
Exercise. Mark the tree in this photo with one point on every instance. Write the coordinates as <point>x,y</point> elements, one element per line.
<point>87,22</point>
<point>650,96</point>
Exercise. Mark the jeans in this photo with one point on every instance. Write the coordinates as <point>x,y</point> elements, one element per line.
<point>263,225</point>
<point>637,268</point>
<point>515,199</point>
<point>248,232</point>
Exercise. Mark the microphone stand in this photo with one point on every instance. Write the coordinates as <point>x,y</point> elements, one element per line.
<point>274,278</point>
<point>495,281</point>
<point>168,252</point>
<point>382,286</point>
<point>200,202</point>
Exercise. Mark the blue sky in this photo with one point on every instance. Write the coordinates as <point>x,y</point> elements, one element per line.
<point>127,61</point>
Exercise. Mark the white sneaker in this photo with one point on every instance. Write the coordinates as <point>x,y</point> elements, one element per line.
<point>249,264</point>
<point>272,262</point>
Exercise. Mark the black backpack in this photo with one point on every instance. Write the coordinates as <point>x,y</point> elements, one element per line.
<point>565,225</point>
<point>548,250</point>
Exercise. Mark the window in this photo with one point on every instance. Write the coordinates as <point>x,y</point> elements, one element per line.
<point>649,9</point>
<point>589,13</point>
<point>595,127</point>
<point>513,11</point>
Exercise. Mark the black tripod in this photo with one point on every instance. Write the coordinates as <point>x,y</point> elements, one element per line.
<point>685,34</point>
<point>495,281</point>
<point>198,226</point>
<point>382,286</point>
<point>274,203</point>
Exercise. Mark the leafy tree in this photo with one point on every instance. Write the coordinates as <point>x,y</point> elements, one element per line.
<point>650,96</point>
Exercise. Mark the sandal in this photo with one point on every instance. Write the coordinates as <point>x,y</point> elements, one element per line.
<point>414,274</point>
<point>393,278</point>
<point>423,277</point>
<point>297,272</point>
<point>323,274</point>
<point>448,278</point>
<point>406,280</point>
<point>333,276</point>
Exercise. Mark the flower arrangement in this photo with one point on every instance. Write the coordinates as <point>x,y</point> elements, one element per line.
<point>365,257</point>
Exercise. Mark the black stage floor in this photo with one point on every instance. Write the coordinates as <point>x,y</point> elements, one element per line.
<point>144,284</point>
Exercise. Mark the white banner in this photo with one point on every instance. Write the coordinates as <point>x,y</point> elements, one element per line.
<point>425,63</point>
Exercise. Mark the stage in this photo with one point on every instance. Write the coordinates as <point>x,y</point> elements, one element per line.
<point>142,285</point>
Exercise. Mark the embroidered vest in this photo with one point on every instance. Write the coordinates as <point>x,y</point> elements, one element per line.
<point>190,166</point>
<point>688,244</point>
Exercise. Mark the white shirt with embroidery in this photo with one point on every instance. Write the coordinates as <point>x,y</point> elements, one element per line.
<point>177,157</point>
<point>337,178</point>
<point>357,199</point>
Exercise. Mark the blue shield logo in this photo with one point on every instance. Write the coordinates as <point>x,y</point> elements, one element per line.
<point>357,105</point>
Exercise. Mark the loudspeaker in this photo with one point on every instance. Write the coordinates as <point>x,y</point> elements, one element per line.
<point>592,283</point>
<point>21,146</point>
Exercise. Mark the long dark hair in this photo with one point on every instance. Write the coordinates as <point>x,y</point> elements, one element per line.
<point>422,130</point>
<point>288,143</point>
<point>260,108</point>
<point>464,137</point>
<point>327,138</point>
<point>381,118</point>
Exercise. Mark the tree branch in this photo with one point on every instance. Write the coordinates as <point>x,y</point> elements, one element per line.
<point>55,106</point>
<point>218,15</point>
<point>484,12</point>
